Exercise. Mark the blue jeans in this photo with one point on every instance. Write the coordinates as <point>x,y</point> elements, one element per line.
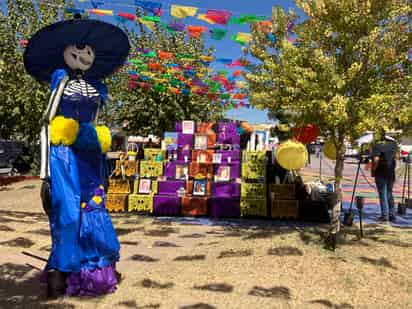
<point>387,203</point>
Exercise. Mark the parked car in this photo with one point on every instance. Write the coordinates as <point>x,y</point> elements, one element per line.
<point>13,157</point>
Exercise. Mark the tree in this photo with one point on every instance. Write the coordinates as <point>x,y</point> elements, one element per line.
<point>155,110</point>
<point>347,71</point>
<point>22,100</point>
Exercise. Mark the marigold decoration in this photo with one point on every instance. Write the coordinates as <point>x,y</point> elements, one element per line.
<point>105,138</point>
<point>97,199</point>
<point>292,155</point>
<point>63,131</point>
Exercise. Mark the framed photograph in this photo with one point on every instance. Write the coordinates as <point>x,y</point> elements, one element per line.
<point>145,186</point>
<point>200,142</point>
<point>199,187</point>
<point>217,158</point>
<point>223,173</point>
<point>182,171</point>
<point>170,141</point>
<point>188,127</point>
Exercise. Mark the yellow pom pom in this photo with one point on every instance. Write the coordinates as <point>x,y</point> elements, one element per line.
<point>97,199</point>
<point>83,205</point>
<point>63,131</point>
<point>329,149</point>
<point>105,138</point>
<point>292,155</point>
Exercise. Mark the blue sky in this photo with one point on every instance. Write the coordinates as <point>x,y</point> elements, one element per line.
<point>225,48</point>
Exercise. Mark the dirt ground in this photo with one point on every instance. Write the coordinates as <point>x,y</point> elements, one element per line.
<point>244,264</point>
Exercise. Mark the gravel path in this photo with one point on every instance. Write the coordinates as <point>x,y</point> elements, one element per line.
<point>244,264</point>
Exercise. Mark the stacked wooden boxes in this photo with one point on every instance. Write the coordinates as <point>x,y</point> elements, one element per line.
<point>253,188</point>
<point>283,201</point>
<point>142,203</point>
<point>200,168</point>
<point>119,185</point>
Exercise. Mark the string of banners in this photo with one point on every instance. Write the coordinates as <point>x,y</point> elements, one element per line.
<point>185,74</point>
<point>155,10</point>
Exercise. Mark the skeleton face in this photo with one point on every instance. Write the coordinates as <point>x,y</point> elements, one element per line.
<point>79,57</point>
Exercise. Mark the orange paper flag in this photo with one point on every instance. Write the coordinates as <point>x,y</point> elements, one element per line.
<point>196,31</point>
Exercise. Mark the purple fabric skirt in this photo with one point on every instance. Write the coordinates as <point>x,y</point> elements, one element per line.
<point>89,282</point>
<point>94,282</point>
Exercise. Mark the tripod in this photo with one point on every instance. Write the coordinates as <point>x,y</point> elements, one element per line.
<point>348,217</point>
<point>406,183</point>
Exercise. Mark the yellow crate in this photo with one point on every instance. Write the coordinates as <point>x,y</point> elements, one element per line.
<point>285,209</point>
<point>141,203</point>
<point>253,207</point>
<point>150,154</point>
<point>254,157</point>
<point>136,186</point>
<point>151,169</point>
<point>119,186</point>
<point>116,202</point>
<point>253,190</point>
<point>253,171</point>
<point>282,191</point>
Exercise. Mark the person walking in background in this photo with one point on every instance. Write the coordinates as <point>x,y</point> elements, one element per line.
<point>384,154</point>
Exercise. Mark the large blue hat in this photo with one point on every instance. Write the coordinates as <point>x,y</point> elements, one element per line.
<point>44,52</point>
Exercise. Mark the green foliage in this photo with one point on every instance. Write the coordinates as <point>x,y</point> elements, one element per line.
<point>347,72</point>
<point>155,111</point>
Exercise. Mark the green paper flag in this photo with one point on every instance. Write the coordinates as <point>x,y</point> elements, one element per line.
<point>217,34</point>
<point>136,61</point>
<point>222,72</point>
<point>246,19</point>
<point>225,96</point>
<point>150,54</point>
<point>159,88</point>
<point>154,19</point>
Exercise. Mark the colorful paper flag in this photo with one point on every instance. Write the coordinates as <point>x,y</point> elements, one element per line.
<point>101,12</point>
<point>195,31</point>
<point>180,11</point>
<point>204,18</point>
<point>217,34</point>
<point>154,19</point>
<point>246,19</point>
<point>128,16</point>
<point>152,7</point>
<point>220,17</point>
<point>172,26</point>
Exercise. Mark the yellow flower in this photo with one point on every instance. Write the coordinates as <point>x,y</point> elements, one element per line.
<point>63,131</point>
<point>83,205</point>
<point>105,138</point>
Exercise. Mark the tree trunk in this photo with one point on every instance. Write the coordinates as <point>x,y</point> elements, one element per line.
<point>340,158</point>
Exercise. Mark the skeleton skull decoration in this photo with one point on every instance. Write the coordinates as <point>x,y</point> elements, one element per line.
<point>79,57</point>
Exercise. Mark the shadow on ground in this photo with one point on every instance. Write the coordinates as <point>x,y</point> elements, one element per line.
<point>16,293</point>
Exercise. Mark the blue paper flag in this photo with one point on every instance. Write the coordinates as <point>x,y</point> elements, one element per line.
<point>152,7</point>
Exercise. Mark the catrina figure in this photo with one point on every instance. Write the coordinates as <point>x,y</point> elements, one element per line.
<point>74,55</point>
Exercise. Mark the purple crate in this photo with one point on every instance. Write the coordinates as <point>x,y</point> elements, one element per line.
<point>181,153</point>
<point>224,207</point>
<point>227,126</point>
<point>234,169</point>
<point>166,205</point>
<point>170,169</point>
<point>232,138</point>
<point>234,155</point>
<point>169,187</point>
<point>185,140</point>
<point>179,126</point>
<point>225,189</point>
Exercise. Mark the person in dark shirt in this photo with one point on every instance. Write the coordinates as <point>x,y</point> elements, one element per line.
<point>384,154</point>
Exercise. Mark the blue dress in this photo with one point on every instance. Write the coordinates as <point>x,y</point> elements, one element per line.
<point>83,237</point>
